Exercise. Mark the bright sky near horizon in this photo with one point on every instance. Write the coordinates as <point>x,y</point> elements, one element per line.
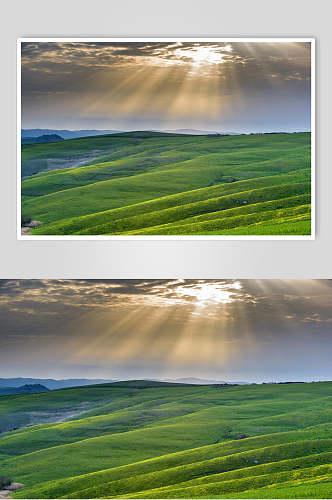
<point>217,86</point>
<point>251,330</point>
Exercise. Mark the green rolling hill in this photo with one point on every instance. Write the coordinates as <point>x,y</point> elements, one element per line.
<point>150,183</point>
<point>141,439</point>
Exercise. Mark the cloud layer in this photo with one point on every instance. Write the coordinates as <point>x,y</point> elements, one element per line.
<point>163,84</point>
<point>234,329</point>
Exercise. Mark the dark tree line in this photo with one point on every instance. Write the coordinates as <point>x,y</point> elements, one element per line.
<point>5,481</point>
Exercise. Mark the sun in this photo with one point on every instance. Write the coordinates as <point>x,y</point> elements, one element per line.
<point>197,56</point>
<point>208,294</point>
<point>201,55</point>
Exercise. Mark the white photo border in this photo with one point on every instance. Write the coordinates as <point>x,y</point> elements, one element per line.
<point>312,236</point>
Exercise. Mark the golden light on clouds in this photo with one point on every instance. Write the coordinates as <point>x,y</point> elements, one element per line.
<point>209,294</point>
<point>196,310</point>
<point>199,55</point>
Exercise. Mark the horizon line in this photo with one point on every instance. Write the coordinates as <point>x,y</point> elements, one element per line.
<point>214,132</point>
<point>176,380</point>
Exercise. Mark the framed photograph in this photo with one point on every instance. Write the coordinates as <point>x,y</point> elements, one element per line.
<point>166,388</point>
<point>195,138</point>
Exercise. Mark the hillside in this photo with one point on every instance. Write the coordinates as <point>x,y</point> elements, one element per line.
<point>66,134</point>
<point>42,138</point>
<point>151,183</point>
<point>23,389</point>
<point>50,383</point>
<point>144,439</point>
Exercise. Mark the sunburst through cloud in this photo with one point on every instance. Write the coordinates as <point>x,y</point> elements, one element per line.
<point>226,329</point>
<point>165,84</point>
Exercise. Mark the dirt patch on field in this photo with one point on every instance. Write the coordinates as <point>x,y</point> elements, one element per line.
<point>43,417</point>
<point>12,487</point>
<point>37,165</point>
<point>27,227</point>
<point>76,160</point>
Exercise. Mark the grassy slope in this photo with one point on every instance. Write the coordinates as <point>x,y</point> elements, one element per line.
<point>179,207</point>
<point>150,440</point>
<point>158,172</point>
<point>319,488</point>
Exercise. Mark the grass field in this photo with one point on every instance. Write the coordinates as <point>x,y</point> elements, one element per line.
<point>149,183</point>
<point>141,439</point>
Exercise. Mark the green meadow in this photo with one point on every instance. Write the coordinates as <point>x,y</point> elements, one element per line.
<point>150,183</point>
<point>141,439</point>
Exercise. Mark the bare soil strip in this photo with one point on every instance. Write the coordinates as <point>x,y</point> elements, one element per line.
<point>12,487</point>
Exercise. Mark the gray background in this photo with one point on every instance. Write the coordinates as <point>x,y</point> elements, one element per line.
<point>156,259</point>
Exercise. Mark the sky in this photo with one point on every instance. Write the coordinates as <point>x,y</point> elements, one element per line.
<point>225,330</point>
<point>215,86</point>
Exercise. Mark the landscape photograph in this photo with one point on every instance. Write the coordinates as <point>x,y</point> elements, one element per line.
<point>166,388</point>
<point>166,138</point>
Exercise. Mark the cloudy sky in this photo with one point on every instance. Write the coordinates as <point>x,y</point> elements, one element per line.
<point>224,86</point>
<point>249,330</point>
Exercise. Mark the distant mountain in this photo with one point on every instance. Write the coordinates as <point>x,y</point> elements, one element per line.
<point>200,381</point>
<point>30,133</point>
<point>50,383</point>
<point>24,389</point>
<point>42,138</point>
<point>193,131</point>
<point>65,134</point>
